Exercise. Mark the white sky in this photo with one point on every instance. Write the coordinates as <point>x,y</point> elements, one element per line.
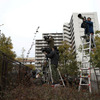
<point>22,17</point>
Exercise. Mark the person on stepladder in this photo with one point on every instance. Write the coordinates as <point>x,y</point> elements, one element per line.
<point>50,41</point>
<point>88,25</point>
<point>54,56</point>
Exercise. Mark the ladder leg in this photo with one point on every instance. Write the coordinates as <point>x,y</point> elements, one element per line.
<point>90,85</point>
<point>61,77</point>
<point>80,84</point>
<point>50,71</point>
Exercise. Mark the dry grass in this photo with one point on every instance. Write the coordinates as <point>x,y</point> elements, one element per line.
<point>46,92</point>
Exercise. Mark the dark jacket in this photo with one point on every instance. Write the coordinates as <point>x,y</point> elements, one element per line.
<point>88,25</point>
<point>54,56</point>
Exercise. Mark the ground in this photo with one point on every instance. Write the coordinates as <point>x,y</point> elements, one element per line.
<point>46,92</point>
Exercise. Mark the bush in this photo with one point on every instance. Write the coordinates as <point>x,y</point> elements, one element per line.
<point>46,92</point>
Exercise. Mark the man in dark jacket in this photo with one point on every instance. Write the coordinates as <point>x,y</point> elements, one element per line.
<point>54,56</point>
<point>88,25</point>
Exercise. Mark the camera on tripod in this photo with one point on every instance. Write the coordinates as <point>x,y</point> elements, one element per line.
<point>47,49</point>
<point>46,38</point>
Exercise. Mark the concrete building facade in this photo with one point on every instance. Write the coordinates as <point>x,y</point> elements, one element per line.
<point>41,43</point>
<point>72,32</point>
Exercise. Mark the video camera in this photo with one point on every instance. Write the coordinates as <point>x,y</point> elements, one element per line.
<point>84,24</point>
<point>81,17</point>
<point>46,38</point>
<point>47,50</point>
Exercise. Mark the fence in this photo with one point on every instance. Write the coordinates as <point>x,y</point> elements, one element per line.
<point>12,72</point>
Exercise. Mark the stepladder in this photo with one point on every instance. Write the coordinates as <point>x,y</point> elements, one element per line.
<point>97,75</point>
<point>60,77</point>
<point>49,77</point>
<point>85,69</point>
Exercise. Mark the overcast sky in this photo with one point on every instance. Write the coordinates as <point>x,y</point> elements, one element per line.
<point>22,17</point>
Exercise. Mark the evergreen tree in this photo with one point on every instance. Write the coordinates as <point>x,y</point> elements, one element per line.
<point>6,46</point>
<point>67,62</point>
<point>95,55</point>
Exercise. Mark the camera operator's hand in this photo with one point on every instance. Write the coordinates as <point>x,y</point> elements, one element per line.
<point>84,19</point>
<point>45,53</point>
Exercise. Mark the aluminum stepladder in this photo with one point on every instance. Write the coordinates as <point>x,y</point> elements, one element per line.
<point>58,73</point>
<point>48,72</point>
<point>85,70</point>
<point>97,74</point>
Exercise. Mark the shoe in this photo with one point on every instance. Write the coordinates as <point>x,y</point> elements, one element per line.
<point>92,49</point>
<point>52,85</point>
<point>83,37</point>
<point>57,85</point>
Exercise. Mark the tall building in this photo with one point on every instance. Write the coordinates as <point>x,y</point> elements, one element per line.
<point>72,31</point>
<point>41,43</point>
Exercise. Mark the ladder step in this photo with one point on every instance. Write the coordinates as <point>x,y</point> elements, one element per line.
<point>96,68</point>
<point>85,62</point>
<point>86,55</point>
<point>86,43</point>
<point>85,68</point>
<point>84,77</point>
<point>86,49</point>
<point>84,84</point>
